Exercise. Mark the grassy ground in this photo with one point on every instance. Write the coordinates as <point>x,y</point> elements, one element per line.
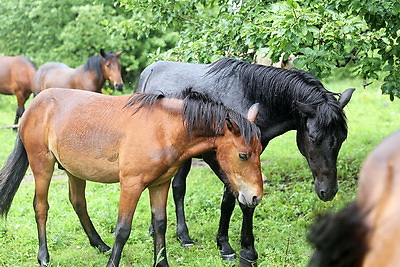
<point>281,220</point>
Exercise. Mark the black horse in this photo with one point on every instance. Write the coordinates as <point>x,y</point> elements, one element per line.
<point>289,100</point>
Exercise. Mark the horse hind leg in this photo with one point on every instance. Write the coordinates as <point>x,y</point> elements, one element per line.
<point>41,206</point>
<point>78,201</point>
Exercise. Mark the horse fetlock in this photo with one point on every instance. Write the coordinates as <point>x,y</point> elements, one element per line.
<point>226,251</point>
<point>43,258</point>
<point>182,234</point>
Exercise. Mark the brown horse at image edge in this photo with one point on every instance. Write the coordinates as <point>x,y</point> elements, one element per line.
<point>139,141</point>
<point>367,232</point>
<point>90,76</point>
<point>16,78</point>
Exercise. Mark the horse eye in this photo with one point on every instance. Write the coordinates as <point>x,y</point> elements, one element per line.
<point>243,156</point>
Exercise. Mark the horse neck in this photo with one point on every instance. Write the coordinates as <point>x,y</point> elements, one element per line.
<point>279,113</point>
<point>90,78</point>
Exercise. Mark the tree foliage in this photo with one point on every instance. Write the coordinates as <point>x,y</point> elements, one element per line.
<point>323,34</point>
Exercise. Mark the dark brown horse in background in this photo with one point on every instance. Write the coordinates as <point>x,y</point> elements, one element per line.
<point>16,78</point>
<point>367,232</point>
<point>90,76</point>
<point>139,141</point>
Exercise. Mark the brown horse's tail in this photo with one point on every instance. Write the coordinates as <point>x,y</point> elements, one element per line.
<point>11,175</point>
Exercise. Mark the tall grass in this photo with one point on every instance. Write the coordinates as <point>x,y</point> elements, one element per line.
<point>281,221</point>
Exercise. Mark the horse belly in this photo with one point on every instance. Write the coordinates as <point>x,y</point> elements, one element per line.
<point>95,170</point>
<point>90,154</point>
<point>5,82</point>
<point>90,161</point>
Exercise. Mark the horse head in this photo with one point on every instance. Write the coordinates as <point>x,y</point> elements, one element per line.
<point>240,160</point>
<point>320,138</point>
<point>111,67</point>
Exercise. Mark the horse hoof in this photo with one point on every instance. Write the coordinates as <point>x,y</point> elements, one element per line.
<point>228,257</point>
<point>104,249</point>
<point>187,243</point>
<point>247,263</point>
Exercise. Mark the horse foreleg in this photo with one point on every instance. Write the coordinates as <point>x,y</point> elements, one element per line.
<point>248,254</point>
<point>179,191</point>
<point>227,207</point>
<point>158,202</point>
<point>129,198</point>
<point>78,201</point>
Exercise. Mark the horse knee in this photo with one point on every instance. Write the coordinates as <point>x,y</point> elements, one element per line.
<point>122,233</point>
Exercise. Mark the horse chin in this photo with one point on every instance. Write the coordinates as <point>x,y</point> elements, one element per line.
<point>326,191</point>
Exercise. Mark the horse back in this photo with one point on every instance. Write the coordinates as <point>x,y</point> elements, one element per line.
<point>171,77</point>
<point>52,75</point>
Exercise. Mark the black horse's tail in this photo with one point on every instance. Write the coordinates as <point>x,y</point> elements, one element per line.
<point>11,175</point>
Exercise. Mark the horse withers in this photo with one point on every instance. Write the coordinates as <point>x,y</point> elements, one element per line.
<point>90,76</point>
<point>365,233</point>
<point>139,141</point>
<point>16,78</point>
<point>289,100</point>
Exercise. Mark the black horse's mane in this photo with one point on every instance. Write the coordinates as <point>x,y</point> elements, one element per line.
<point>93,63</point>
<point>339,238</point>
<point>281,89</point>
<point>200,112</point>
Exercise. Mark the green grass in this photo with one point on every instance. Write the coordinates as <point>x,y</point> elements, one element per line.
<point>281,221</point>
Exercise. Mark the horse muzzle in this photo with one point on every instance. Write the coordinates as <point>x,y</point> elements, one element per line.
<point>118,86</point>
<point>249,200</point>
<point>326,191</point>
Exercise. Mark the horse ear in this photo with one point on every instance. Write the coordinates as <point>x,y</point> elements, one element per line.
<point>253,112</point>
<point>345,97</point>
<point>102,53</point>
<point>118,53</point>
<point>232,126</point>
<point>306,109</point>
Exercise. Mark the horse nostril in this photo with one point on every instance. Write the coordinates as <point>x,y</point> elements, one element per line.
<point>255,200</point>
<point>322,193</point>
<point>118,86</point>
